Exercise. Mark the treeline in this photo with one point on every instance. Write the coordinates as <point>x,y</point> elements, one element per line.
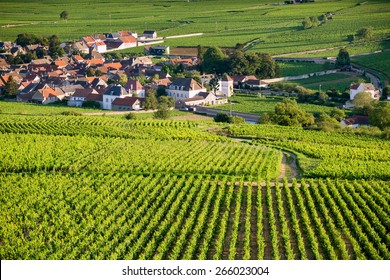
<point>215,60</point>
<point>314,21</point>
<point>47,46</point>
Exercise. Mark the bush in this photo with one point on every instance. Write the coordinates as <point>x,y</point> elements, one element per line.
<point>236,120</point>
<point>222,117</point>
<point>130,116</point>
<point>91,104</point>
<point>71,113</point>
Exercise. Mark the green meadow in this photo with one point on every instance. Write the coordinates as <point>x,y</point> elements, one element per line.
<point>277,28</point>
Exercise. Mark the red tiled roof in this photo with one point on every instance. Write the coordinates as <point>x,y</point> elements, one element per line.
<point>128,39</point>
<point>47,92</point>
<point>127,101</point>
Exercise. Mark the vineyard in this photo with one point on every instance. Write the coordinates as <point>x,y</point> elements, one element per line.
<point>326,154</point>
<point>123,216</point>
<point>78,187</point>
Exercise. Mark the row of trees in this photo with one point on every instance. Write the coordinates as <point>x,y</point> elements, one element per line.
<point>313,21</point>
<point>239,63</point>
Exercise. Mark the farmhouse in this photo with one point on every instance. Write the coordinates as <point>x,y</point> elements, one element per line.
<point>127,103</point>
<point>364,87</point>
<point>149,34</point>
<point>111,93</point>
<point>80,96</point>
<point>184,88</point>
<point>46,95</point>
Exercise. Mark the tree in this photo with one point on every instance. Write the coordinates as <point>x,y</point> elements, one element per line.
<point>55,49</point>
<point>123,80</point>
<point>337,114</point>
<point>385,92</point>
<point>288,113</point>
<point>363,103</point>
<point>221,117</point>
<point>214,61</point>
<point>25,39</point>
<point>342,58</point>
<point>380,115</point>
<point>169,101</point>
<point>238,63</point>
<point>91,72</point>
<point>214,85</point>
<point>150,102</point>
<point>64,15</point>
<point>11,88</point>
<point>163,112</point>
<point>307,23</point>
<point>365,33</point>
<point>237,120</point>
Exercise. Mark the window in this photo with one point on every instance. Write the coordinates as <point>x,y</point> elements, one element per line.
<point>106,99</point>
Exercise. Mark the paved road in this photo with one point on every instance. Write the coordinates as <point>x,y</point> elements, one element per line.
<point>212,112</point>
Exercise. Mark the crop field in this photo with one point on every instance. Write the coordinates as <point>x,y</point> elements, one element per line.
<point>79,187</point>
<point>276,28</point>
<point>326,154</point>
<point>251,103</point>
<point>379,62</point>
<point>37,109</point>
<point>299,68</point>
<point>336,81</point>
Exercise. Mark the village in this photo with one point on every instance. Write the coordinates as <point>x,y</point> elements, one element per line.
<point>84,77</point>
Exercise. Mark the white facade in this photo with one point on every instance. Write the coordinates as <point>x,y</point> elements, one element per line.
<point>183,94</point>
<point>226,88</point>
<point>364,88</point>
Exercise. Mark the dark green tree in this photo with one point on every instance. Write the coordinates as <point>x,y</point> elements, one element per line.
<point>64,15</point>
<point>288,113</point>
<point>214,61</point>
<point>55,50</point>
<point>365,33</point>
<point>221,117</point>
<point>11,88</point>
<point>343,58</point>
<point>214,85</point>
<point>150,102</point>
<point>238,63</point>
<point>169,101</point>
<point>363,103</point>
<point>163,112</point>
<point>307,23</point>
<point>380,115</point>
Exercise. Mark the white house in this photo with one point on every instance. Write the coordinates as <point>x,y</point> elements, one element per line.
<point>226,86</point>
<point>79,96</point>
<point>182,88</point>
<point>111,94</point>
<point>100,46</point>
<point>149,34</point>
<point>127,42</point>
<point>363,87</point>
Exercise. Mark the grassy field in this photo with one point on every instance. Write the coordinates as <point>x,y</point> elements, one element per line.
<point>253,104</point>
<point>379,62</point>
<point>337,81</point>
<point>300,68</point>
<point>37,109</point>
<point>278,27</point>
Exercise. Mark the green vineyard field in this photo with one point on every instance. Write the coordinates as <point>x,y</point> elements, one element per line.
<point>106,188</point>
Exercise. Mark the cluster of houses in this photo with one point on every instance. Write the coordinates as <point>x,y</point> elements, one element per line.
<point>120,40</point>
<point>68,79</point>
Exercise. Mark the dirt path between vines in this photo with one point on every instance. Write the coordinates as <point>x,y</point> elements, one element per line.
<point>288,168</point>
